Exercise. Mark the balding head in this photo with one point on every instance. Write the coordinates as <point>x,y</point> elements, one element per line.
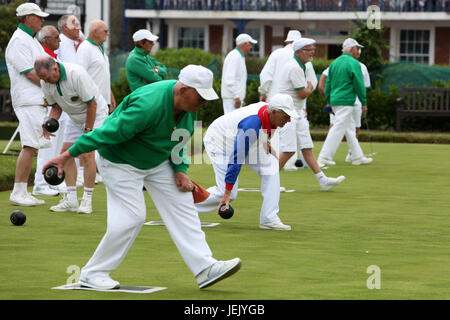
<point>47,69</point>
<point>98,31</point>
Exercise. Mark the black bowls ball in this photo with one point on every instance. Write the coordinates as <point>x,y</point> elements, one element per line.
<point>227,213</point>
<point>51,125</point>
<point>51,176</point>
<point>18,218</point>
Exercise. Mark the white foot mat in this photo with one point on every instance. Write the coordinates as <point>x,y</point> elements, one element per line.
<point>160,223</point>
<point>258,190</point>
<point>126,289</point>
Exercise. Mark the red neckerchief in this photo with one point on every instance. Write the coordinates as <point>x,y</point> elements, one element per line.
<point>50,52</point>
<point>263,115</point>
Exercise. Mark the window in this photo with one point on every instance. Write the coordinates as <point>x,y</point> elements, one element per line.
<point>255,34</point>
<point>337,33</point>
<point>415,46</point>
<point>334,51</point>
<point>317,33</point>
<point>191,37</point>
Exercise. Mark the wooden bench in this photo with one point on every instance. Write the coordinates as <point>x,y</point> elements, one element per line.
<point>415,102</point>
<point>6,109</point>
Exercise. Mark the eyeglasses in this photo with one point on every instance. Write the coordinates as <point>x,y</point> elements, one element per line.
<point>53,37</point>
<point>312,49</point>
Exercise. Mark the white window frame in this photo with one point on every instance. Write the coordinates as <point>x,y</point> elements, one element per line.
<point>395,41</point>
<point>261,40</point>
<point>173,33</point>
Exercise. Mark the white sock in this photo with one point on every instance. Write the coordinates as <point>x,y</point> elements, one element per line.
<point>88,193</point>
<point>20,188</point>
<point>72,194</point>
<point>321,177</point>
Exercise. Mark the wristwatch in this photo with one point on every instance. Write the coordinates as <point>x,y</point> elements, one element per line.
<point>87,130</point>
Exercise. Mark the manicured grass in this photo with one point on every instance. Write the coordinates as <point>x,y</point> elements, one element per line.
<point>393,214</point>
<point>8,164</point>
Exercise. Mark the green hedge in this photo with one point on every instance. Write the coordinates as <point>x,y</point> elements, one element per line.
<point>382,105</point>
<point>7,129</point>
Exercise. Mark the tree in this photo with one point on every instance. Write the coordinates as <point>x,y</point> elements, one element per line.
<point>373,42</point>
<point>8,23</point>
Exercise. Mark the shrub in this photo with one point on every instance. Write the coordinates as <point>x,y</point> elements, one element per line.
<point>179,58</point>
<point>213,109</point>
<point>320,65</point>
<point>382,108</point>
<point>316,117</point>
<point>121,87</point>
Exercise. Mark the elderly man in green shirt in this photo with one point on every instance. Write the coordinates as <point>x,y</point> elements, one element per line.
<point>138,148</point>
<point>141,68</point>
<point>345,82</point>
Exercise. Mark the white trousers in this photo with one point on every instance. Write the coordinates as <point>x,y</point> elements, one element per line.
<point>295,135</point>
<point>270,189</point>
<point>350,133</point>
<point>127,213</point>
<point>343,125</point>
<point>228,105</point>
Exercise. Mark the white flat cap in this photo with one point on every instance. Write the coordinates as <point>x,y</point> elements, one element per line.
<point>29,8</point>
<point>244,38</point>
<point>284,102</point>
<point>349,43</point>
<point>293,35</point>
<point>144,34</point>
<point>303,42</point>
<point>199,78</point>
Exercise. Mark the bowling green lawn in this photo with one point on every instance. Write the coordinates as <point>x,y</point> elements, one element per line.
<point>387,226</point>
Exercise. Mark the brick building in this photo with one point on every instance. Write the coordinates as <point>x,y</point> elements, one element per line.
<point>416,30</point>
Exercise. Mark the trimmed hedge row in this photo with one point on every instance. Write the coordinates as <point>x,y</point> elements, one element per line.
<point>382,105</point>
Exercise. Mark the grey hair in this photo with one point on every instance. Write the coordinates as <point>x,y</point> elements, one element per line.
<point>63,21</point>
<point>44,63</point>
<point>45,32</point>
<point>347,50</point>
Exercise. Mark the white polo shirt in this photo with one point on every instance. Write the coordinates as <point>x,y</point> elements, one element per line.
<point>234,76</point>
<point>67,51</point>
<point>272,73</point>
<point>294,79</point>
<point>21,53</point>
<point>93,58</point>
<point>74,90</point>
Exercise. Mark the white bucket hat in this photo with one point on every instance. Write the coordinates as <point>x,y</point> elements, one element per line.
<point>199,78</point>
<point>30,8</point>
<point>293,35</point>
<point>303,42</point>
